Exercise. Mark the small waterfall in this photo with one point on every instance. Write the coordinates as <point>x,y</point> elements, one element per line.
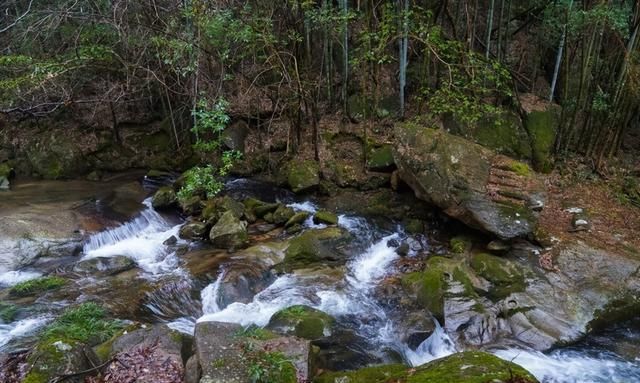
<point>437,345</point>
<point>20,329</point>
<point>210,295</point>
<point>149,221</point>
<point>374,263</point>
<point>140,239</point>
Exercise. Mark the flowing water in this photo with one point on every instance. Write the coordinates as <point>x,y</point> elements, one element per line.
<point>347,293</point>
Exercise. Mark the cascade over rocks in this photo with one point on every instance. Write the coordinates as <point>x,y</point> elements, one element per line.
<point>468,182</point>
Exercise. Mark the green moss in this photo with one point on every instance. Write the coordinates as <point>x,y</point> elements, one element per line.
<point>464,367</point>
<point>7,312</point>
<point>306,322</point>
<point>520,168</point>
<point>325,217</point>
<point>303,176</point>
<point>313,246</point>
<point>34,376</point>
<point>271,367</point>
<point>428,287</point>
<point>505,135</point>
<point>505,277</point>
<point>414,226</point>
<point>297,219</point>
<point>381,159</point>
<point>458,245</point>
<point>375,374</point>
<point>618,310</point>
<point>255,332</point>
<point>542,127</point>
<point>37,285</point>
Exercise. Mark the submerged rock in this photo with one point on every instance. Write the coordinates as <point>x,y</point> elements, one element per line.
<point>467,181</point>
<point>229,232</point>
<point>464,367</point>
<point>104,265</point>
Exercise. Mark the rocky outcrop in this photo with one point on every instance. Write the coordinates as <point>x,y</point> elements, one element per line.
<point>227,353</point>
<point>468,182</point>
<point>302,176</point>
<point>464,367</point>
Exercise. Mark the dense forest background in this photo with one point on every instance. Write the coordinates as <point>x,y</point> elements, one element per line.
<point>298,63</point>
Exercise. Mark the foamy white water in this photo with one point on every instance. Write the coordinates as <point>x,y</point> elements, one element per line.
<point>210,295</point>
<point>437,345</point>
<point>21,328</point>
<point>140,239</point>
<point>307,206</point>
<point>564,366</point>
<point>374,263</point>
<point>12,278</point>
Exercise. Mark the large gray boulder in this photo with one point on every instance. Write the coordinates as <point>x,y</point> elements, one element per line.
<point>229,232</point>
<point>469,182</point>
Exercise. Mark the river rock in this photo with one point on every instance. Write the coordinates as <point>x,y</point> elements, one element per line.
<point>464,367</point>
<point>164,197</point>
<point>229,232</point>
<point>193,230</point>
<point>316,246</point>
<point>467,181</point>
<point>226,353</point>
<point>303,176</point>
<point>301,321</point>
<point>325,217</point>
<point>104,265</point>
<point>282,215</point>
<point>297,219</point>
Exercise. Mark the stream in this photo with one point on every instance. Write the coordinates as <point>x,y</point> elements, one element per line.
<point>348,293</point>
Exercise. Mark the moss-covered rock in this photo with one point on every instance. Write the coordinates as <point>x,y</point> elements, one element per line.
<point>381,159</point>
<point>325,217</point>
<point>229,232</point>
<point>191,205</point>
<point>542,124</point>
<point>467,181</point>
<point>428,288</point>
<point>297,219</point>
<point>259,208</point>
<point>164,197</point>
<point>301,321</point>
<point>193,230</point>
<point>7,312</point>
<point>303,176</point>
<point>464,367</point>
<point>505,277</point>
<point>505,133</point>
<point>315,246</point>
<point>282,214</point>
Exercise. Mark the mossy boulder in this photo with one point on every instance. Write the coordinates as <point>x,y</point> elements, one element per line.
<point>505,277</point>
<point>301,321</point>
<point>297,219</point>
<point>464,367</point>
<point>229,232</point>
<point>469,182</point>
<point>503,133</point>
<point>541,122</point>
<point>325,217</point>
<point>191,205</point>
<point>193,230</point>
<point>303,176</point>
<point>56,155</point>
<point>164,197</point>
<point>259,208</point>
<point>282,214</point>
<point>315,246</point>
<point>380,159</point>
<point>428,288</point>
